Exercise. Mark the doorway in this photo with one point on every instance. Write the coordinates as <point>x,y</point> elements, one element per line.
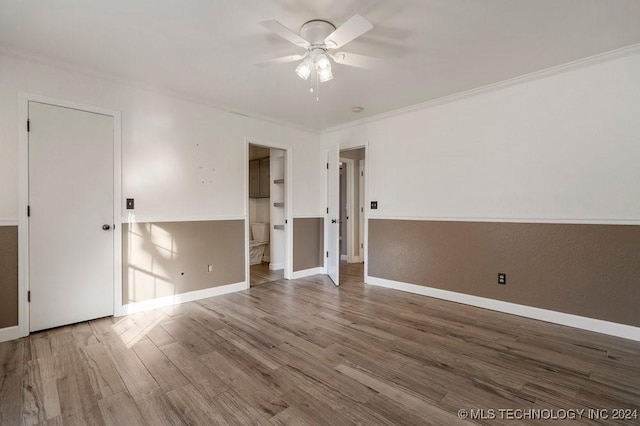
<point>353,193</point>
<point>71,244</point>
<point>268,201</point>
<point>351,190</point>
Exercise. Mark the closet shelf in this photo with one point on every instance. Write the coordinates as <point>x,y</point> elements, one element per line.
<point>278,181</point>
<point>281,227</point>
<point>278,204</point>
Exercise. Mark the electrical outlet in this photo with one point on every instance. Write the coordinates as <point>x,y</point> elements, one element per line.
<point>374,205</point>
<point>130,203</point>
<point>210,268</point>
<point>502,279</point>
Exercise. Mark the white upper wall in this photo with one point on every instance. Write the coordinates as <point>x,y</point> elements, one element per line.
<point>563,147</point>
<point>181,160</point>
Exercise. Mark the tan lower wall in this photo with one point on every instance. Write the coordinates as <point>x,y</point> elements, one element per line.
<point>586,270</point>
<point>8,276</point>
<point>167,258</point>
<point>308,243</point>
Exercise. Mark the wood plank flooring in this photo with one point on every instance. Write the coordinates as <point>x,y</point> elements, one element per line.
<point>306,352</point>
<point>261,274</point>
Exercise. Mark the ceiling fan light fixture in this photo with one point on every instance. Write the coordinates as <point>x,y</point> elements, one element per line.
<point>325,75</point>
<point>304,69</point>
<point>322,62</point>
<point>323,68</point>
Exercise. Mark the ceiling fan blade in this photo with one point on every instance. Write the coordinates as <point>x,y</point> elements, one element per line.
<point>355,60</point>
<point>285,33</point>
<point>281,60</point>
<point>352,29</point>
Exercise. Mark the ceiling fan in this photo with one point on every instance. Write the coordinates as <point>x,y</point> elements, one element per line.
<point>319,37</point>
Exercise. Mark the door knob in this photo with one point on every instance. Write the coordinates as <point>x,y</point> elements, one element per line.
<point>106,227</point>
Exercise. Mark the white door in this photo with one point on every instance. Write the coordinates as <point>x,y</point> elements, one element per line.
<point>71,237</point>
<point>333,215</point>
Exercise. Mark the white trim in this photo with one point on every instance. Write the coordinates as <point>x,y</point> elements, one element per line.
<point>117,211</point>
<point>23,221</point>
<point>309,216</point>
<point>23,199</point>
<point>288,204</point>
<point>361,180</point>
<point>344,257</point>
<point>276,266</point>
<point>150,88</point>
<point>9,333</point>
<point>349,170</point>
<point>309,272</point>
<point>580,63</point>
<point>247,229</point>
<point>357,259</point>
<point>9,221</point>
<point>576,321</point>
<point>514,220</point>
<point>132,218</point>
<point>364,255</point>
<point>162,302</point>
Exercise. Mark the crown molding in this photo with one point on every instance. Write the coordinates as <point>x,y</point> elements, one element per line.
<point>630,50</point>
<point>150,88</point>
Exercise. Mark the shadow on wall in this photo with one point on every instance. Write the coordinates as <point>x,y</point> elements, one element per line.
<point>165,259</point>
<point>149,251</point>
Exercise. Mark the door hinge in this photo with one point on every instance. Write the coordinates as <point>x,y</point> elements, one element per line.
<point>361,209</point>
<point>327,254</point>
<point>361,173</point>
<point>361,245</point>
<point>327,166</point>
<point>327,209</point>
<point>28,211</point>
<point>29,296</point>
<point>28,125</point>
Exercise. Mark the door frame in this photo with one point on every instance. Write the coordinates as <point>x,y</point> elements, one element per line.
<point>343,146</point>
<point>349,165</point>
<point>23,200</point>
<point>361,208</point>
<point>288,206</point>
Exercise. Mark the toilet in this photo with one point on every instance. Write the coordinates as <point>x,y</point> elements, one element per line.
<point>259,240</point>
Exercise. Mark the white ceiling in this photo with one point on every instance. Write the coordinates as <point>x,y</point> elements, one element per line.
<point>206,49</point>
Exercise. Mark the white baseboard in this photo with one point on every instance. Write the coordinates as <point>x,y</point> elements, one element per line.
<point>276,266</point>
<point>308,272</point>
<point>576,321</point>
<point>9,333</point>
<point>343,257</point>
<point>162,302</point>
<point>266,259</point>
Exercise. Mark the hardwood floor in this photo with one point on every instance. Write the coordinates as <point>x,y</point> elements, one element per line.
<point>306,352</point>
<point>261,274</point>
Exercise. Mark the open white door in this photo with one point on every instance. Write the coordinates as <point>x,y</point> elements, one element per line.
<point>333,215</point>
<point>71,198</point>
